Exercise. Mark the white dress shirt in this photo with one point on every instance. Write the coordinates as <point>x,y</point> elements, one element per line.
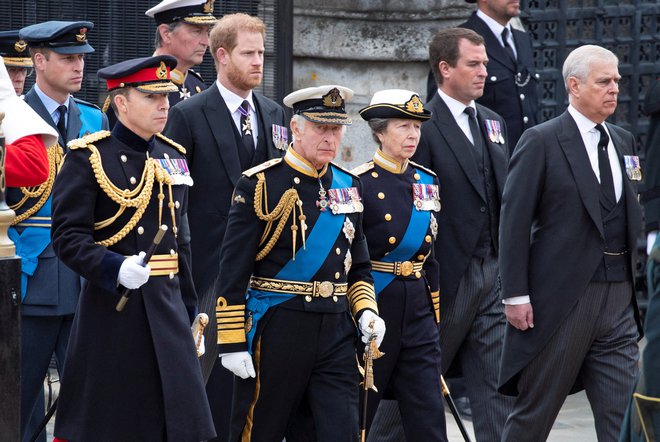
<point>233,102</point>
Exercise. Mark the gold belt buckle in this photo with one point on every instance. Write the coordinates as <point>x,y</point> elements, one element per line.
<point>323,289</point>
<point>406,268</point>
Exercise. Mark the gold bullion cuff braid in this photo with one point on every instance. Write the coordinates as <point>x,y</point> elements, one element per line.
<point>435,298</point>
<point>164,265</point>
<point>362,295</point>
<point>323,289</point>
<point>231,322</point>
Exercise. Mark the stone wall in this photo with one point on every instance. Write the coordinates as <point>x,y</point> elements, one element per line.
<point>367,45</point>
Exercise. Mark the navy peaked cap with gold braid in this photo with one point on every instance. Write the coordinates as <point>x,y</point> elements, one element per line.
<point>63,37</point>
<point>195,12</point>
<point>321,104</point>
<point>14,50</point>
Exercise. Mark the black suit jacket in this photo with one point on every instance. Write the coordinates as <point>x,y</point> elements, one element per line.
<point>518,105</point>
<point>551,232</point>
<point>445,149</point>
<point>203,125</point>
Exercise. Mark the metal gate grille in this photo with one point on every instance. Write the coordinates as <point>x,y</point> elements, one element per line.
<point>629,28</point>
<point>122,31</point>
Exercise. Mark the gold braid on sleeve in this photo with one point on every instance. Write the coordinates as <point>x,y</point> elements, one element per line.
<point>42,191</point>
<point>281,212</point>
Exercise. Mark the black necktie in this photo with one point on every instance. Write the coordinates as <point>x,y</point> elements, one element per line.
<point>474,129</point>
<point>507,46</point>
<point>607,195</point>
<point>246,127</point>
<point>61,123</point>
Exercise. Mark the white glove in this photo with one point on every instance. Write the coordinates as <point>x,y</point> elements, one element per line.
<point>239,363</point>
<point>650,240</point>
<point>131,273</point>
<point>202,348</point>
<point>378,328</point>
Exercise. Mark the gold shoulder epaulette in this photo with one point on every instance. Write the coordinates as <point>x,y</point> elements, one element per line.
<point>425,169</point>
<point>363,168</point>
<point>81,143</point>
<point>172,143</point>
<point>345,170</point>
<point>261,167</point>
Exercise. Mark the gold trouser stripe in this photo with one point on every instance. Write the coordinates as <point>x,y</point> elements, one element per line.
<point>396,267</point>
<point>246,436</point>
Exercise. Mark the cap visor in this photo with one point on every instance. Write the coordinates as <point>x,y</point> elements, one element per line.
<point>18,62</point>
<point>160,87</point>
<point>76,49</point>
<point>201,20</point>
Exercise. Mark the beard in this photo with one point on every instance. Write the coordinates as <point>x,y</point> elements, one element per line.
<point>240,80</point>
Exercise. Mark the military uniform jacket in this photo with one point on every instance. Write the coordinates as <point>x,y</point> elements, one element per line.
<point>511,88</point>
<point>189,85</point>
<point>50,287</point>
<point>394,226</point>
<point>341,250</point>
<point>139,366</point>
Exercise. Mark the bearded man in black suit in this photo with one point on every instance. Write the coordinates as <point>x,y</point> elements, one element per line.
<point>226,129</point>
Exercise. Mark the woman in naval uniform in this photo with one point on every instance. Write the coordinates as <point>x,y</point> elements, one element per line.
<point>400,202</point>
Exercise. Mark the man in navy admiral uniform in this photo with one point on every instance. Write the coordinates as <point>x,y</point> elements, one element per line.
<point>16,57</point>
<point>464,143</point>
<point>226,129</point>
<point>131,373</point>
<point>49,288</point>
<point>295,238</point>
<point>183,32</point>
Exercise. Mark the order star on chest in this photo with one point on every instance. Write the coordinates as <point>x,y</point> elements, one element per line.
<point>184,93</point>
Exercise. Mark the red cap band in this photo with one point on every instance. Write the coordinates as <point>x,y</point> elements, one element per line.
<point>141,76</point>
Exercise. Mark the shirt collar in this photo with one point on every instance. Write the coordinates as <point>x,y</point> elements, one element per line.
<point>50,104</point>
<point>494,26</point>
<point>232,100</point>
<point>456,107</point>
<point>584,124</point>
<point>388,163</point>
<point>297,162</point>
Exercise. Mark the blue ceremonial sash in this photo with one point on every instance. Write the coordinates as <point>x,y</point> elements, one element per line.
<point>30,243</point>
<point>308,260</point>
<point>91,119</point>
<point>414,236</point>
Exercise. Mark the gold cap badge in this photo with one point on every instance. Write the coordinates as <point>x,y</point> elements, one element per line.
<point>20,45</point>
<point>414,105</point>
<point>161,71</point>
<point>208,7</point>
<point>333,99</point>
<point>82,35</point>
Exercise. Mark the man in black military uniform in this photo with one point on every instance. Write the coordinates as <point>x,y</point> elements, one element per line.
<point>295,237</point>
<point>183,32</point>
<point>17,59</point>
<point>49,288</point>
<point>130,374</point>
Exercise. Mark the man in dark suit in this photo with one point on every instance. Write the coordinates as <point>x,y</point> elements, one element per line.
<point>49,288</point>
<point>569,226</point>
<point>226,129</point>
<point>512,81</point>
<point>468,152</point>
<point>651,195</point>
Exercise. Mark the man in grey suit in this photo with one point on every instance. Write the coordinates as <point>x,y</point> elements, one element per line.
<point>225,129</point>
<point>567,257</point>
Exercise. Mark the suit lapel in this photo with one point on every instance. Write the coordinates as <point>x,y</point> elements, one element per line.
<point>74,123</point>
<point>33,100</point>
<point>571,143</point>
<point>497,153</point>
<point>265,117</point>
<point>222,127</point>
<point>633,210</point>
<point>449,130</point>
<point>492,42</point>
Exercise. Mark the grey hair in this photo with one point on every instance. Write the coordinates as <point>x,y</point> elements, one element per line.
<point>578,62</point>
<point>158,40</point>
<point>378,126</point>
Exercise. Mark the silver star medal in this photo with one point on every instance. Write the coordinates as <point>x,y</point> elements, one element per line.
<point>434,226</point>
<point>247,126</point>
<point>349,230</point>
<point>348,262</point>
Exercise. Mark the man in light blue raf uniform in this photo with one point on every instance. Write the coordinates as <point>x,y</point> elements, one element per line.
<point>49,288</point>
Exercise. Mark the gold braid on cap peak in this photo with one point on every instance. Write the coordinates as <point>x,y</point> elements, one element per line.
<point>42,191</point>
<point>281,212</point>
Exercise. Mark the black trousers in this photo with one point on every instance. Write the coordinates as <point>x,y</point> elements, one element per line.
<point>299,356</point>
